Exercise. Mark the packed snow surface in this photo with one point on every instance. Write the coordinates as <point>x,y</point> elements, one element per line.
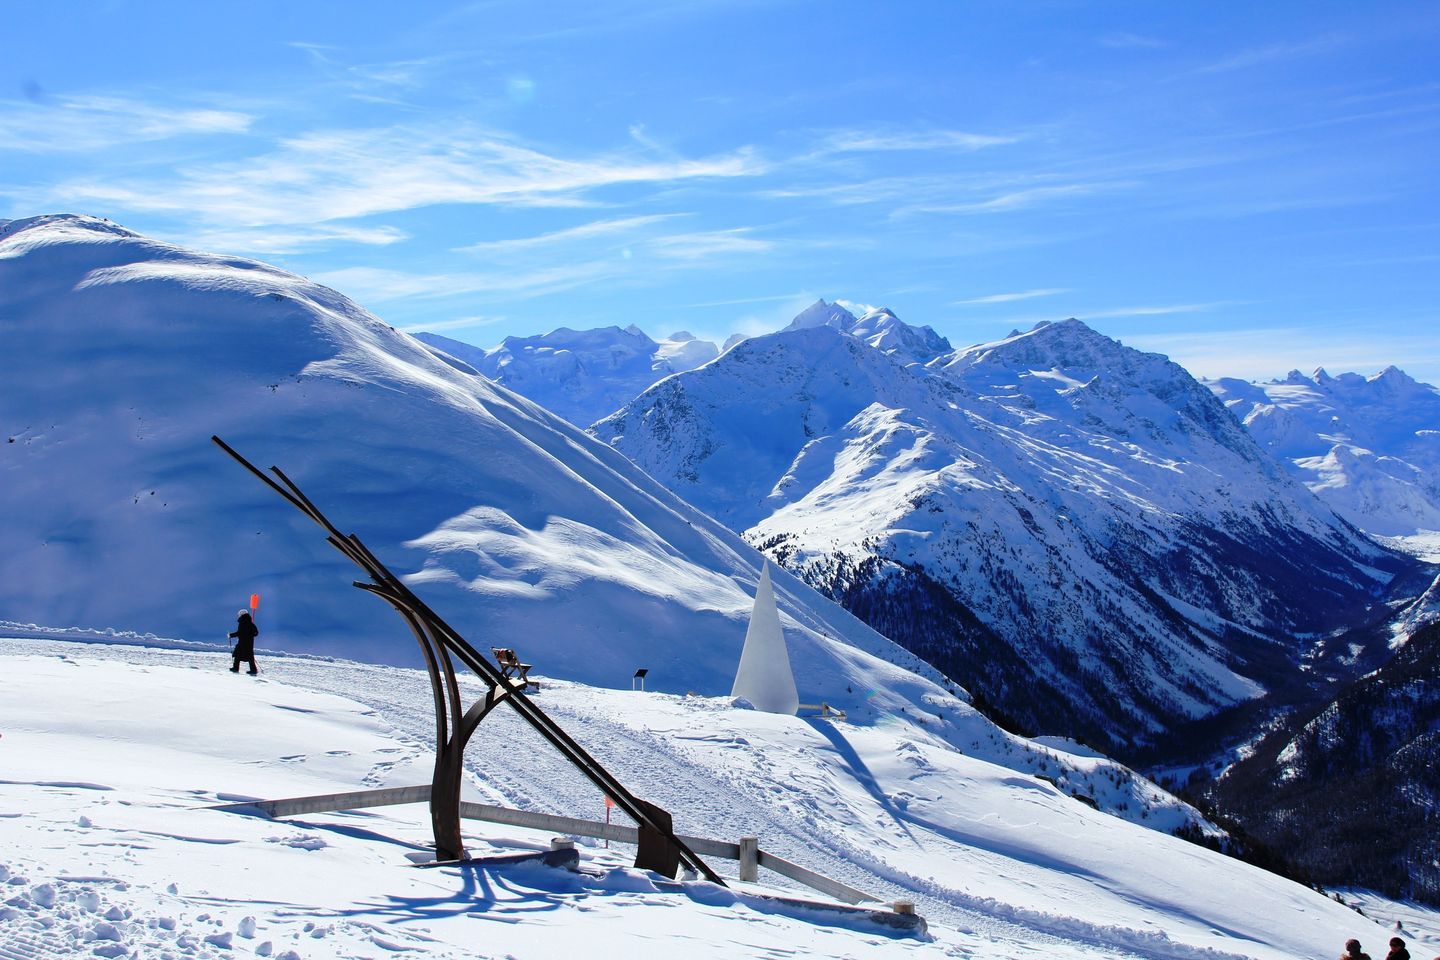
<point>111,753</point>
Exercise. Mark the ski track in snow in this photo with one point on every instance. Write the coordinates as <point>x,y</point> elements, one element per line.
<point>508,763</point>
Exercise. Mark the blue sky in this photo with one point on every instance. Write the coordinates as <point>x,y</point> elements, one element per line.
<point>1246,187</point>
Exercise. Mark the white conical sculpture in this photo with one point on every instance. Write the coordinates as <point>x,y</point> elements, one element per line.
<point>764,677</point>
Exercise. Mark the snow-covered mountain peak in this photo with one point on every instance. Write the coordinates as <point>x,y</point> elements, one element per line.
<point>1396,381</point>
<point>1389,382</point>
<point>887,333</point>
<point>879,328</point>
<point>70,226</point>
<point>1066,368</point>
<point>581,374</point>
<point>1366,445</point>
<point>1065,344</point>
<point>822,314</point>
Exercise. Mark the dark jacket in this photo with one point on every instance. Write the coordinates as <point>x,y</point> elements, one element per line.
<point>1398,953</point>
<point>245,633</point>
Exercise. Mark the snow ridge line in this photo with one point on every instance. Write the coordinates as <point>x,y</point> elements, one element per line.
<point>13,630</point>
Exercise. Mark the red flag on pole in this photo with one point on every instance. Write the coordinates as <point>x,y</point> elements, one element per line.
<point>254,601</point>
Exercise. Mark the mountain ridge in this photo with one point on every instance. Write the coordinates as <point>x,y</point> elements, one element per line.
<point>1368,446</point>
<point>1093,507</point>
<point>580,374</point>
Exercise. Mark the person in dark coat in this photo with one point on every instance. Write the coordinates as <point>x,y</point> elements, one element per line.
<point>1397,950</point>
<point>1353,951</point>
<point>245,633</point>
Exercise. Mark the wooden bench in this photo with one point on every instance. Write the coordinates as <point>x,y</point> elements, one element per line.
<point>825,709</point>
<point>510,666</point>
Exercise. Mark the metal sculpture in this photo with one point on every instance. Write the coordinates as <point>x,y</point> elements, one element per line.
<point>659,848</point>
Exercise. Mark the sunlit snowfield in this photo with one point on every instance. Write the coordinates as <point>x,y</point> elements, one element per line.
<point>106,848</point>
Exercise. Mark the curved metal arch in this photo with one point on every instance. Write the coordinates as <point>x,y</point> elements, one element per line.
<point>660,849</point>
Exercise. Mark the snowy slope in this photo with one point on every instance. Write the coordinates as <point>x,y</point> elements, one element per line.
<point>101,837</point>
<point>516,526</point>
<point>1368,447</point>
<point>1075,530</point>
<point>581,374</point>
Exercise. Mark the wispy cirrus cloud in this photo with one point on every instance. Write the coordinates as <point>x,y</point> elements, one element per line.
<point>586,231</point>
<point>293,239</point>
<point>314,180</point>
<point>1011,297</point>
<point>871,141</point>
<point>1270,53</point>
<point>71,124</point>
<point>378,80</point>
<point>1117,313</point>
<point>1012,200</point>
<point>956,193</point>
<point>381,284</point>
<point>526,277</point>
<point>707,244</point>
<point>458,323</point>
<point>1156,310</point>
